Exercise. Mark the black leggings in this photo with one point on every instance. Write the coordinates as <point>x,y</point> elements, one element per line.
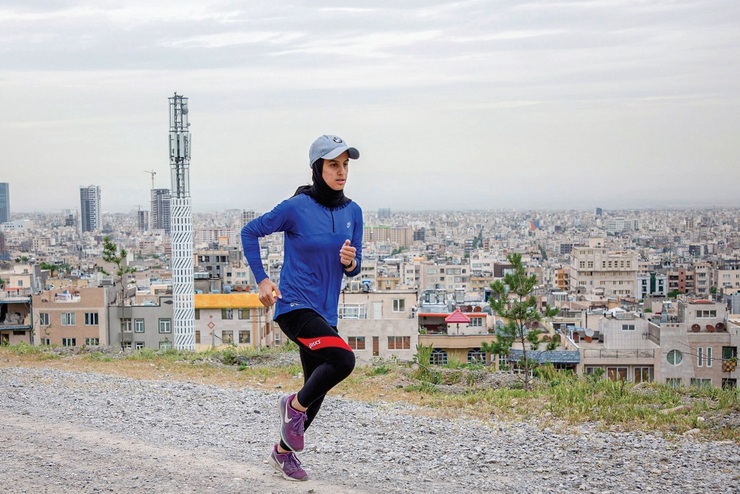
<point>326,358</point>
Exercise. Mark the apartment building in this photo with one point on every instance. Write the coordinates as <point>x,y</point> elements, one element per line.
<point>651,285</point>
<point>449,277</point>
<point>704,275</point>
<point>682,279</point>
<point>438,317</point>
<point>728,281</point>
<point>598,271</point>
<point>620,347</point>
<point>144,325</point>
<point>16,315</point>
<point>221,263</point>
<point>400,236</point>
<point>234,319</point>
<point>72,316</point>
<point>380,323</point>
<point>694,346</point>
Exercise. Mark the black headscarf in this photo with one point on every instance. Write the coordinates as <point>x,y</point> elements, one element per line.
<point>320,191</point>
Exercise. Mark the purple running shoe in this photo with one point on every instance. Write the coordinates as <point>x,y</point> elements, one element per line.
<point>288,465</point>
<point>291,424</point>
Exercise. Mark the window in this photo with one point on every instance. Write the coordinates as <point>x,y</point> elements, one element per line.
<point>729,383</point>
<point>165,326</point>
<point>165,345</point>
<point>197,314</point>
<point>126,345</point>
<point>245,336</point>
<point>399,342</point>
<point>126,325</point>
<point>438,357</point>
<point>643,374</point>
<point>138,345</point>
<point>92,341</point>
<point>243,314</point>
<point>674,357</point>
<point>700,357</point>
<point>68,318</point>
<point>673,382</point>
<point>701,383</point>
<point>44,319</point>
<point>46,341</point>
<point>138,325</point>
<point>399,305</point>
<point>227,313</point>
<point>197,337</point>
<point>352,311</point>
<point>476,322</point>
<point>227,337</point>
<point>616,373</point>
<point>503,360</point>
<point>356,342</point>
<point>91,318</point>
<point>476,356</point>
<point>69,341</point>
<point>704,314</point>
<point>709,356</point>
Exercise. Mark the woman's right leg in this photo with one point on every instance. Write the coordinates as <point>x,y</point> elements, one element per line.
<point>325,357</point>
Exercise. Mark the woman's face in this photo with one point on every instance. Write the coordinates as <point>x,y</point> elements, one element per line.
<point>335,171</point>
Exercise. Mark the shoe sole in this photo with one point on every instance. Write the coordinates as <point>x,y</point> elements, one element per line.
<point>279,470</point>
<point>281,407</point>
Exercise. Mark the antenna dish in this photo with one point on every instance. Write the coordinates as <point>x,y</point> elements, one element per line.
<point>184,109</point>
<point>589,332</point>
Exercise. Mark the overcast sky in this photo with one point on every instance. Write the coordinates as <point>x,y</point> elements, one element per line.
<point>453,105</point>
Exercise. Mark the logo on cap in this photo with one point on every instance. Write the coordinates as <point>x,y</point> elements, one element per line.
<point>337,140</point>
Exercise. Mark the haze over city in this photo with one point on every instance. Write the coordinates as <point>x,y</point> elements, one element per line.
<point>453,105</point>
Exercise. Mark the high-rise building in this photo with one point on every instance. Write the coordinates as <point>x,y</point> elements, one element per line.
<point>90,208</point>
<point>4,202</point>
<point>143,220</point>
<point>160,219</point>
<point>247,216</point>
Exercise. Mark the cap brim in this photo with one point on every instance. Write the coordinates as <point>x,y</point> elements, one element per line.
<point>353,153</point>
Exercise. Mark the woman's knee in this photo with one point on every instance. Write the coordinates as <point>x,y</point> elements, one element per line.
<point>345,363</point>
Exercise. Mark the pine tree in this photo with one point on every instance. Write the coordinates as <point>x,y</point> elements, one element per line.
<point>513,301</point>
<point>112,254</point>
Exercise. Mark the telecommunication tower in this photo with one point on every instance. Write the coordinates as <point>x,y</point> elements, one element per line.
<point>183,289</point>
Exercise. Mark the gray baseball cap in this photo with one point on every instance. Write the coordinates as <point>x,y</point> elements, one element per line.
<point>329,147</point>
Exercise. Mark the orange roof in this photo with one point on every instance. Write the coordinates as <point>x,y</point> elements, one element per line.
<point>457,317</point>
<point>227,301</point>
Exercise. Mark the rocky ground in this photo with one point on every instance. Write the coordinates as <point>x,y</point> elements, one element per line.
<point>84,432</point>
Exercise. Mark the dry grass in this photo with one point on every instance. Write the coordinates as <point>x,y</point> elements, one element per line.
<point>560,405</point>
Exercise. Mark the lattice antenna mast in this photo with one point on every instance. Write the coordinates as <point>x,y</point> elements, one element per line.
<point>183,288</point>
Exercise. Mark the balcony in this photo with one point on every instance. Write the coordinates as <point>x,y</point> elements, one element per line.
<point>15,311</point>
<point>618,354</point>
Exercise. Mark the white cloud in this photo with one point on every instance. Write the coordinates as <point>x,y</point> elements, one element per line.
<point>491,98</point>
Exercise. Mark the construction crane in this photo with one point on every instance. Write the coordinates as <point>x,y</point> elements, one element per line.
<point>152,173</point>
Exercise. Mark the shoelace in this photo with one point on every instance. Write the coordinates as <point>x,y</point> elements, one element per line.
<point>297,424</point>
<point>292,463</point>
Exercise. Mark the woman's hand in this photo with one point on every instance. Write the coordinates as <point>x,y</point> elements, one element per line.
<point>268,291</point>
<point>347,255</point>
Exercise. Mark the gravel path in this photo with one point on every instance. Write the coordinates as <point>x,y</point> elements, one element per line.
<point>81,432</point>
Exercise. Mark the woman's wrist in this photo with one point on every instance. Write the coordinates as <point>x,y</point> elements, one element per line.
<point>351,265</point>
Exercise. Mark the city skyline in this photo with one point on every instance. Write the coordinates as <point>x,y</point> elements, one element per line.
<point>453,105</point>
